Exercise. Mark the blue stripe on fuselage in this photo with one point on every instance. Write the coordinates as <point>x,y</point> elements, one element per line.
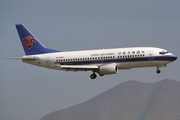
<point>119,60</point>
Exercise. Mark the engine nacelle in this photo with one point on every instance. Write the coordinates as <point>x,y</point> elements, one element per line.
<point>108,69</point>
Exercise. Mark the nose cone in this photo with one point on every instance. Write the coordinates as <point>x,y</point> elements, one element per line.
<point>174,57</point>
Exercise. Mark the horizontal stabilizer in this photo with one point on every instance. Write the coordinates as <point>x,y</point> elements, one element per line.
<point>22,58</point>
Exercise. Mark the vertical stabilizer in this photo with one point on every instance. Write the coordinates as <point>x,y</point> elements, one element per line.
<point>30,43</point>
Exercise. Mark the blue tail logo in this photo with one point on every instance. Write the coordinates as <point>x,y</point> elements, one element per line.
<point>30,43</point>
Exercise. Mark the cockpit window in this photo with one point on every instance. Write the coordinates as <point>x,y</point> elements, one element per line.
<point>163,52</point>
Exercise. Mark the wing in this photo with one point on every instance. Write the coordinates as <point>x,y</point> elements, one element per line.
<point>78,67</point>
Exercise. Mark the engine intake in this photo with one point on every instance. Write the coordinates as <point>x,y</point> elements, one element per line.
<point>108,69</point>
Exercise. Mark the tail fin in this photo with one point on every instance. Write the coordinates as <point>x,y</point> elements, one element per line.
<point>30,43</point>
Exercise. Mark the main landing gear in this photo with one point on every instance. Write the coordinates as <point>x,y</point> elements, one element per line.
<point>93,76</point>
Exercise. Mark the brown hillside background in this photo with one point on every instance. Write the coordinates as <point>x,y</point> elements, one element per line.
<point>130,100</point>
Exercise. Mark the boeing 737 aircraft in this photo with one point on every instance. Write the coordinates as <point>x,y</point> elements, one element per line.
<point>102,61</point>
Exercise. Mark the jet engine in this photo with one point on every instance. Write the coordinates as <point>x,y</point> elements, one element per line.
<point>108,69</point>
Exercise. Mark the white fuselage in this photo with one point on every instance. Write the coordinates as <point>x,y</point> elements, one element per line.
<point>125,58</point>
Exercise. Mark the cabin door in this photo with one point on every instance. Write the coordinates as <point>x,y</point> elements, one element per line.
<point>151,55</point>
<point>47,61</point>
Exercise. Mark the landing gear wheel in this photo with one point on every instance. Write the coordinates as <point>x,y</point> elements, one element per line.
<point>93,76</point>
<point>158,71</point>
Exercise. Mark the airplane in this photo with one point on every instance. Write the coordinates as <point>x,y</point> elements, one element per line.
<point>101,61</point>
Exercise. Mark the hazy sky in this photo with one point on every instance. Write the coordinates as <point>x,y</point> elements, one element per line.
<point>29,92</point>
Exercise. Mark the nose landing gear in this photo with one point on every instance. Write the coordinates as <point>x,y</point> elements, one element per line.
<point>158,71</point>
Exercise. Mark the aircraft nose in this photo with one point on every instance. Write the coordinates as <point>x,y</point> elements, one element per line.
<point>174,57</point>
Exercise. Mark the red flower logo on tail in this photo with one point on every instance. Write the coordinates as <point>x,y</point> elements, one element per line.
<point>29,41</point>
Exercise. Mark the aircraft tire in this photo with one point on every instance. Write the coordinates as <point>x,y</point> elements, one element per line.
<point>158,71</point>
<point>93,76</point>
